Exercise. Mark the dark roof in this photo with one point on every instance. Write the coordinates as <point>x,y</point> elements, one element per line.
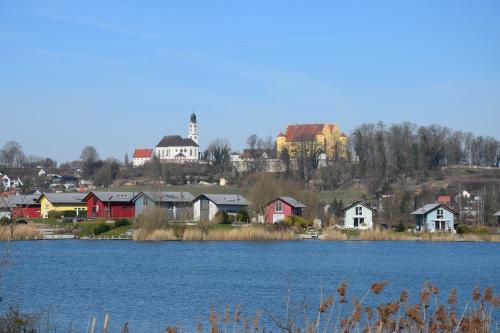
<point>290,201</point>
<point>167,196</point>
<point>23,200</point>
<point>225,199</point>
<point>64,198</point>
<point>176,141</point>
<point>359,202</point>
<point>193,117</point>
<point>425,209</point>
<point>113,196</point>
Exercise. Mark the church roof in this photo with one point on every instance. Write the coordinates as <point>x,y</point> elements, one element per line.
<point>193,117</point>
<point>143,153</point>
<point>176,141</point>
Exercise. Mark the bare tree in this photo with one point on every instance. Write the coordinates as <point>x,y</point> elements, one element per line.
<point>89,159</point>
<point>12,154</point>
<point>218,152</point>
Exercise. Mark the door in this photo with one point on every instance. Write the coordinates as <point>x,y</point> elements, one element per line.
<point>356,222</point>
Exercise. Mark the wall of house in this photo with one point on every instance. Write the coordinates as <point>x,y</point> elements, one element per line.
<point>139,204</point>
<point>350,215</point>
<point>168,153</point>
<point>32,212</point>
<point>196,210</point>
<point>431,217</point>
<point>113,210</point>
<point>271,210</point>
<point>46,206</point>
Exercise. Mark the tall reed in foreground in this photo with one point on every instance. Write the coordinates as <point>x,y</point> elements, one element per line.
<point>20,232</point>
<point>248,233</point>
<point>154,235</point>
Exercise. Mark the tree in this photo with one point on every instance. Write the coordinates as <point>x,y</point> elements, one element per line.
<point>125,160</point>
<point>12,154</point>
<point>89,158</point>
<point>252,144</point>
<point>218,152</point>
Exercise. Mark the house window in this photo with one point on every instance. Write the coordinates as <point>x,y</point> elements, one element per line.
<point>278,207</point>
<point>440,213</point>
<point>359,210</point>
<point>144,200</point>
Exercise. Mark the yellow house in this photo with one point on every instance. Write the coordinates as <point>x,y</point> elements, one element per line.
<point>61,202</point>
<point>326,137</point>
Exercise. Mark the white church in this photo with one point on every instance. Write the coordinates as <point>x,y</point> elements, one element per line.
<point>177,148</point>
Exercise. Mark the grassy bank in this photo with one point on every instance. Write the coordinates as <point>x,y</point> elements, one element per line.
<point>20,232</point>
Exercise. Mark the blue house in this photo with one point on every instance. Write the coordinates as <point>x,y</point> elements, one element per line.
<point>435,218</point>
<point>178,205</point>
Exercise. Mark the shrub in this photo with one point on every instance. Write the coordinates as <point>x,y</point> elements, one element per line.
<point>462,229</point>
<point>69,213</point>
<point>4,220</point>
<point>121,223</point>
<point>53,214</point>
<point>221,218</point>
<point>400,227</point>
<point>297,221</point>
<point>242,216</point>
<point>101,228</point>
<point>153,218</point>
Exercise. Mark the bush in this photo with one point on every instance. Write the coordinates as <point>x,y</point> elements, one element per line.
<point>69,213</point>
<point>462,229</point>
<point>121,223</point>
<point>4,220</point>
<point>242,216</point>
<point>53,214</point>
<point>101,228</point>
<point>221,218</point>
<point>297,221</point>
<point>401,227</point>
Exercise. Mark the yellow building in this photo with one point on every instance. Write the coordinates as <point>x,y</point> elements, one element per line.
<point>60,202</point>
<point>325,137</point>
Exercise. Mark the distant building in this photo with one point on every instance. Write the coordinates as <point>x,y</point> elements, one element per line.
<point>61,202</point>
<point>435,218</point>
<point>110,205</point>
<point>205,206</point>
<point>178,205</point>
<point>327,138</point>
<point>497,214</point>
<point>358,215</point>
<point>444,199</point>
<point>176,148</point>
<point>10,183</point>
<point>280,208</point>
<point>141,156</point>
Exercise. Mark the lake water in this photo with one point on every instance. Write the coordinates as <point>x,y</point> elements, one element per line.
<point>153,285</point>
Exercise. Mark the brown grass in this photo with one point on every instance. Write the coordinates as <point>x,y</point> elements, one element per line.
<point>248,233</point>
<point>333,234</point>
<point>20,232</point>
<point>154,235</point>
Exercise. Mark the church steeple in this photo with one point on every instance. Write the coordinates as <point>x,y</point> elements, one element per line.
<point>193,128</point>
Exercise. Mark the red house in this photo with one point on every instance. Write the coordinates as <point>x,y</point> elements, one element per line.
<point>110,205</point>
<point>282,207</point>
<point>24,206</point>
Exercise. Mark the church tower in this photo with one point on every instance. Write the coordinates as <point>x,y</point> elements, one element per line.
<point>193,128</point>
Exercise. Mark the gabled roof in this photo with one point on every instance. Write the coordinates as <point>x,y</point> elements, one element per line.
<point>159,197</point>
<point>359,202</point>
<point>113,196</point>
<point>303,132</point>
<point>64,198</point>
<point>143,153</point>
<point>225,199</point>
<point>176,141</point>
<point>497,213</point>
<point>426,209</point>
<point>23,200</point>
<point>290,201</point>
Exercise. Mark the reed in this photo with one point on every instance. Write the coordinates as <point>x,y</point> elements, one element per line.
<point>333,234</point>
<point>154,235</point>
<point>20,232</point>
<point>248,233</point>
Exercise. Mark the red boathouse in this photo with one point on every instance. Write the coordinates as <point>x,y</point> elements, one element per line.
<point>110,205</point>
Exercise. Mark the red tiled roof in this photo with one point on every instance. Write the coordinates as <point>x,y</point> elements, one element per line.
<point>143,153</point>
<point>444,199</point>
<point>304,132</point>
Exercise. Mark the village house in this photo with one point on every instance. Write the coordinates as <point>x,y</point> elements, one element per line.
<point>141,156</point>
<point>327,138</point>
<point>110,205</point>
<point>435,217</point>
<point>10,183</point>
<point>358,215</point>
<point>497,214</point>
<point>177,149</point>
<point>178,205</point>
<point>205,206</point>
<point>25,206</point>
<point>62,202</point>
<point>280,208</point>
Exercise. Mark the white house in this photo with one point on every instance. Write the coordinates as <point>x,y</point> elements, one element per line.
<point>358,215</point>
<point>176,148</point>
<point>8,183</point>
<point>205,206</point>
<point>141,156</point>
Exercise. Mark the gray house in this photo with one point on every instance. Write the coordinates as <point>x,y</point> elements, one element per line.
<point>497,214</point>
<point>435,218</point>
<point>178,205</point>
<point>358,215</point>
<point>205,206</point>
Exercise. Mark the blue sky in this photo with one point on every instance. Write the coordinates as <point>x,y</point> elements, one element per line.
<point>121,74</point>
